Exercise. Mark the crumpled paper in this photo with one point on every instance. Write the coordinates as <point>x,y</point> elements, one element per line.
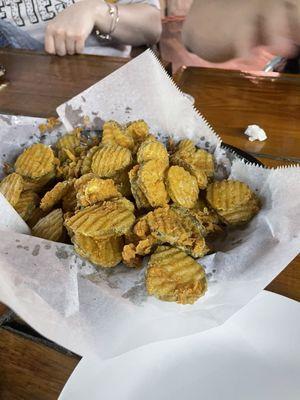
<point>107,312</point>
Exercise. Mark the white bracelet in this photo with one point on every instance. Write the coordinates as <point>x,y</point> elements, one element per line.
<point>113,12</point>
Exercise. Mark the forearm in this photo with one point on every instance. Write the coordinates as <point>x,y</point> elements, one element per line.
<point>138,24</point>
<point>218,31</point>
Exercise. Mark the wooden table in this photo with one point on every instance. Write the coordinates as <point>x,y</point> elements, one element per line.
<point>34,368</point>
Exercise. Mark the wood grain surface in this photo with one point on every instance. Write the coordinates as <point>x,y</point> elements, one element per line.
<point>35,84</point>
<point>31,370</point>
<point>232,100</point>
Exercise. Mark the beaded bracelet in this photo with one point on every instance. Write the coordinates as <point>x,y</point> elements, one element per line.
<point>113,12</point>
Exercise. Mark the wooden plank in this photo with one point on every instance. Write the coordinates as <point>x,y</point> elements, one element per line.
<point>287,283</point>
<point>36,83</point>
<point>232,100</point>
<point>30,370</point>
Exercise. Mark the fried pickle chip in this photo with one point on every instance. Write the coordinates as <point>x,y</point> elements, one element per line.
<point>242,214</point>
<point>138,130</point>
<point>97,190</point>
<point>174,276</point>
<point>138,194</point>
<point>234,201</point>
<point>102,221</point>
<point>69,141</point>
<point>27,203</point>
<point>36,185</point>
<point>50,227</point>
<point>203,160</point>
<point>35,162</point>
<point>186,146</point>
<point>87,161</point>
<point>106,253</point>
<point>115,135</point>
<point>151,181</point>
<point>182,187</point>
<point>70,168</point>
<point>192,169</point>
<point>110,159</point>
<point>36,215</point>
<point>83,180</point>
<point>55,195</point>
<point>169,226</point>
<point>152,150</point>
<point>11,187</point>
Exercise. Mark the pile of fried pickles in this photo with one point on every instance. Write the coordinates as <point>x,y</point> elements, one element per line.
<point>123,195</point>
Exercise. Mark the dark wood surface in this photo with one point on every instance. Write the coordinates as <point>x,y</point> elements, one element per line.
<point>30,370</point>
<point>230,100</point>
<point>36,84</point>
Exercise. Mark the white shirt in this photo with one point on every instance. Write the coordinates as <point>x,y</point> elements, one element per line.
<point>33,16</point>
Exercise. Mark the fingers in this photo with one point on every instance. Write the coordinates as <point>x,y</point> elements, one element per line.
<point>79,45</point>
<point>70,44</point>
<point>61,43</point>
<point>49,43</point>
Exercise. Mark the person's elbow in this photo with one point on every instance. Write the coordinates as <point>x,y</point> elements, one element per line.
<point>153,34</point>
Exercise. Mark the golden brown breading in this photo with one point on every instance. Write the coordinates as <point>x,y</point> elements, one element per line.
<point>110,159</point>
<point>234,201</point>
<point>138,194</point>
<point>106,253</point>
<point>169,226</point>
<point>35,162</point>
<point>114,134</point>
<point>174,276</point>
<point>69,141</point>
<point>50,227</point>
<point>193,170</point>
<point>27,203</point>
<point>11,187</point>
<point>55,195</point>
<point>138,130</point>
<point>50,124</point>
<point>130,257</point>
<point>36,185</point>
<point>36,215</point>
<point>87,160</point>
<point>97,190</point>
<point>151,177</point>
<point>152,149</point>
<point>102,221</point>
<point>182,187</point>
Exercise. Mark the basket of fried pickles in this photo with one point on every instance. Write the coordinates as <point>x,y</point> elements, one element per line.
<point>123,195</point>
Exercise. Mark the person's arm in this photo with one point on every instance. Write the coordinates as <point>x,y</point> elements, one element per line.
<point>66,34</point>
<point>218,30</point>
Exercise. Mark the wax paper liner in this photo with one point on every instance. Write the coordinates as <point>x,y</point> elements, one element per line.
<point>107,312</point>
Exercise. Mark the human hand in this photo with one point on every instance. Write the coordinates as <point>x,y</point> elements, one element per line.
<point>68,31</point>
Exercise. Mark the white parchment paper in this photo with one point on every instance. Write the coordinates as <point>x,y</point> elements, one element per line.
<point>107,312</point>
